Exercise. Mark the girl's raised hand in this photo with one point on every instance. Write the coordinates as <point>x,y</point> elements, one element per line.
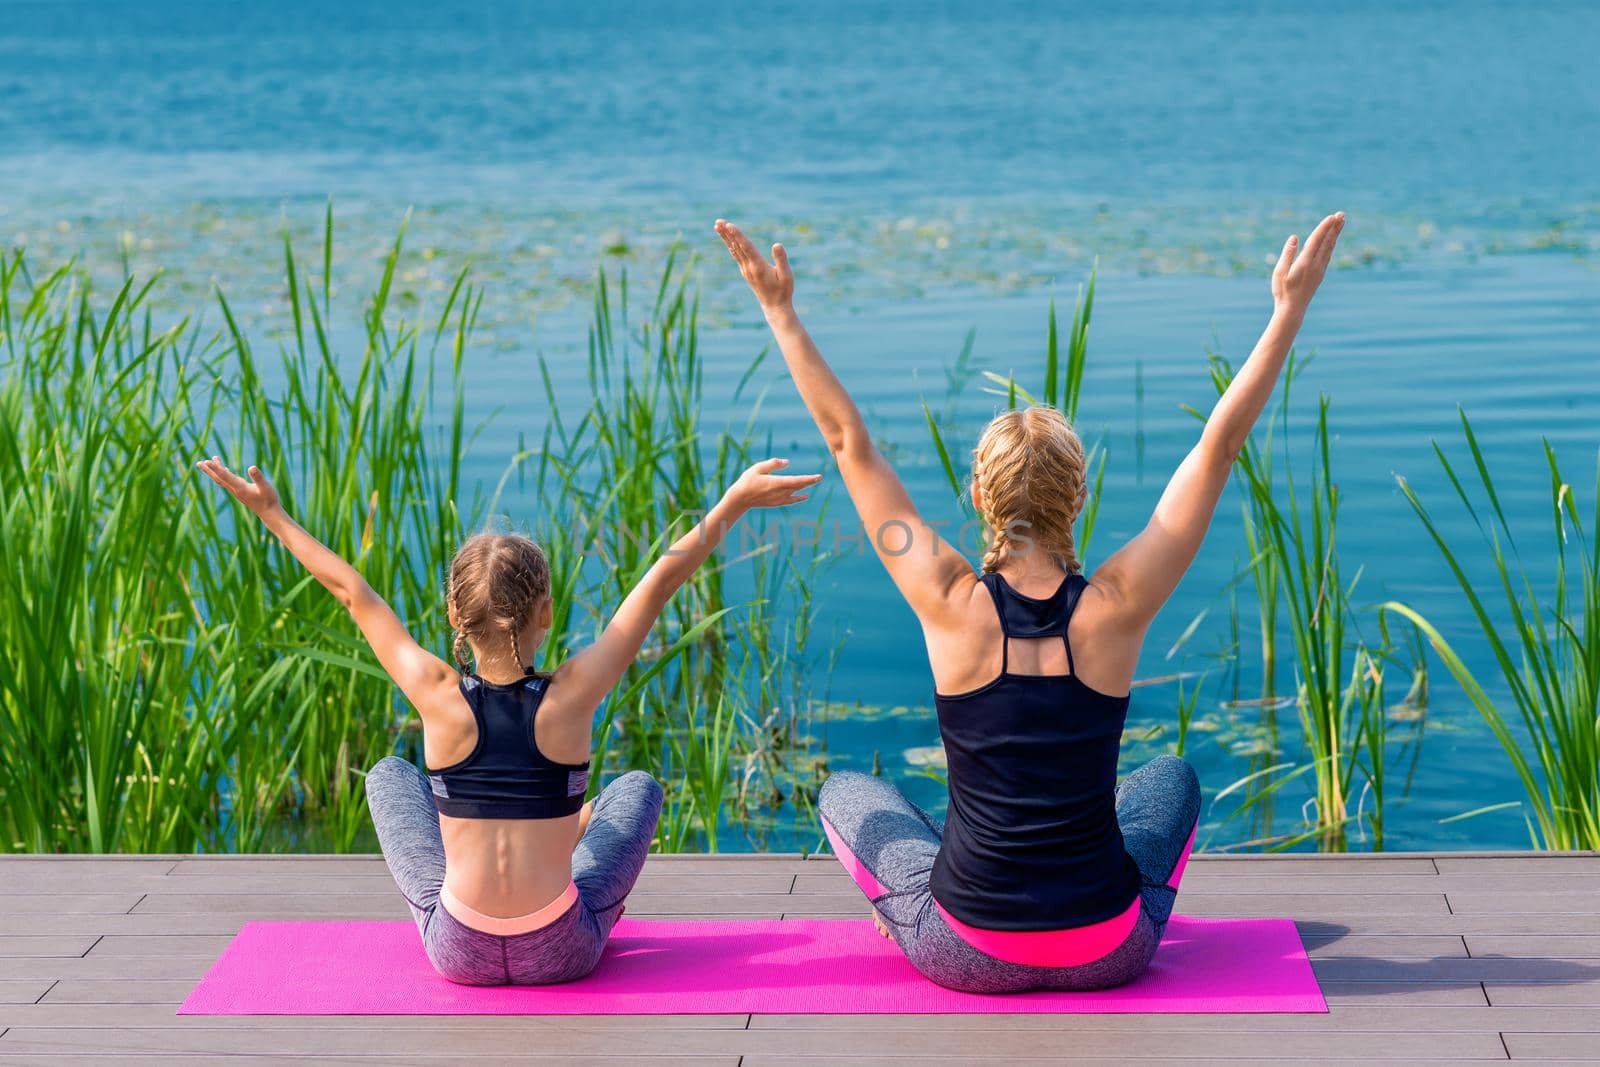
<point>256,494</point>
<point>1296,277</point>
<point>758,487</point>
<point>773,283</point>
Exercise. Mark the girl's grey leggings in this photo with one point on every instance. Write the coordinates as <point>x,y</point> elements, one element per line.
<point>895,842</point>
<point>605,865</point>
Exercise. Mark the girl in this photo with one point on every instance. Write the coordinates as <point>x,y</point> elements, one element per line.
<point>1046,874</point>
<point>511,877</point>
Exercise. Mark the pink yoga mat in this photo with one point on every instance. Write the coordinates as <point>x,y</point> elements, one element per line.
<point>790,966</point>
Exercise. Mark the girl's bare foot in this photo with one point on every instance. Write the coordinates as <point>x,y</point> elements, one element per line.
<point>877,920</point>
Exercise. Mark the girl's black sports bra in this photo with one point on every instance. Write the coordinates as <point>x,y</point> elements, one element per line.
<point>506,776</point>
<point>1031,839</point>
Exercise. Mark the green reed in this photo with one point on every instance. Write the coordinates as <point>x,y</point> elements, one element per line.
<point>98,752</point>
<point>179,683</point>
<point>1546,647</point>
<point>720,703</point>
<point>1292,532</point>
<point>1060,387</point>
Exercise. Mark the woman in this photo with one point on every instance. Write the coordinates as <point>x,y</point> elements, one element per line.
<point>511,877</point>
<point>1046,874</point>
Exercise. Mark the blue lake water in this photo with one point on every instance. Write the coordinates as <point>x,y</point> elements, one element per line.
<point>933,170</point>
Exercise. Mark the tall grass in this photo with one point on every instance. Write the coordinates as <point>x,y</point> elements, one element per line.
<point>1292,532</point>
<point>101,634</point>
<point>721,704</point>
<point>177,682</point>
<point>1545,646</point>
<point>1060,387</point>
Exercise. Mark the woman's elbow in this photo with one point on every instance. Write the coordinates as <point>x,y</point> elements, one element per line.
<point>1220,449</point>
<point>845,443</point>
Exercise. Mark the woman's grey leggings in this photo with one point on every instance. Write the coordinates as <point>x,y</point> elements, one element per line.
<point>1158,807</point>
<point>605,865</point>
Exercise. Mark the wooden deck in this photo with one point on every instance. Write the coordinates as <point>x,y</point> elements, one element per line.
<point>1453,957</point>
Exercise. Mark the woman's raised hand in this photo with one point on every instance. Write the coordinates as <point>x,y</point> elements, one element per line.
<point>1296,277</point>
<point>256,494</point>
<point>773,283</point>
<point>758,487</point>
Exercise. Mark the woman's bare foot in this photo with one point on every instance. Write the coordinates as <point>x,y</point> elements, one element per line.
<point>877,920</point>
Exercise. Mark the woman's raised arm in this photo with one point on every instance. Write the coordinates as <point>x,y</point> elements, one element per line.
<point>1141,575</point>
<point>925,567</point>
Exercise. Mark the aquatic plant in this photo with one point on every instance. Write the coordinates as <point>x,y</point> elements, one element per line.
<point>1546,647</point>
<point>624,476</point>
<point>1060,387</point>
<point>178,683</point>
<point>1292,533</point>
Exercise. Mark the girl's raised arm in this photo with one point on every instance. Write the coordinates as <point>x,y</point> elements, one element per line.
<point>424,678</point>
<point>1142,574</point>
<point>925,567</point>
<point>584,679</point>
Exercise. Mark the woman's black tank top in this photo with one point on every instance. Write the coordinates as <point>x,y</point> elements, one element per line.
<point>506,776</point>
<point>1031,840</point>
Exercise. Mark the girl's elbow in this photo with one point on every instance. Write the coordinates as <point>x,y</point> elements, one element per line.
<point>352,595</point>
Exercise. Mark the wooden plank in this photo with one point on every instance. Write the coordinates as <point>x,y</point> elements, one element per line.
<point>53,1013</point>
<point>456,1039</point>
<point>167,992</point>
<point>1491,969</point>
<point>1550,901</point>
<point>1109,1061</point>
<point>1520,863</point>
<point>23,991</point>
<point>148,946</point>
<point>1387,946</point>
<point>346,905</point>
<point>1547,946</point>
<point>1546,1046</point>
<point>1438,993</point>
<point>27,945</point>
<point>85,863</point>
<point>1421,924</point>
<point>123,924</point>
<point>71,882</point>
<point>1047,1061</point>
<point>71,903</point>
<point>270,865</point>
<point>410,1059</point>
<point>1526,994</point>
<point>122,968</point>
<point>1375,1018</point>
<point>1309,905</point>
<point>472,1043</point>
<point>1097,1045</point>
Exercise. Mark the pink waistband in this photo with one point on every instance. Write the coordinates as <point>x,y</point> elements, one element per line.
<point>1071,947</point>
<point>520,924</point>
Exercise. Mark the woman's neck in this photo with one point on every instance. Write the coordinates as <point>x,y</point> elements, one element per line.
<point>1032,577</point>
